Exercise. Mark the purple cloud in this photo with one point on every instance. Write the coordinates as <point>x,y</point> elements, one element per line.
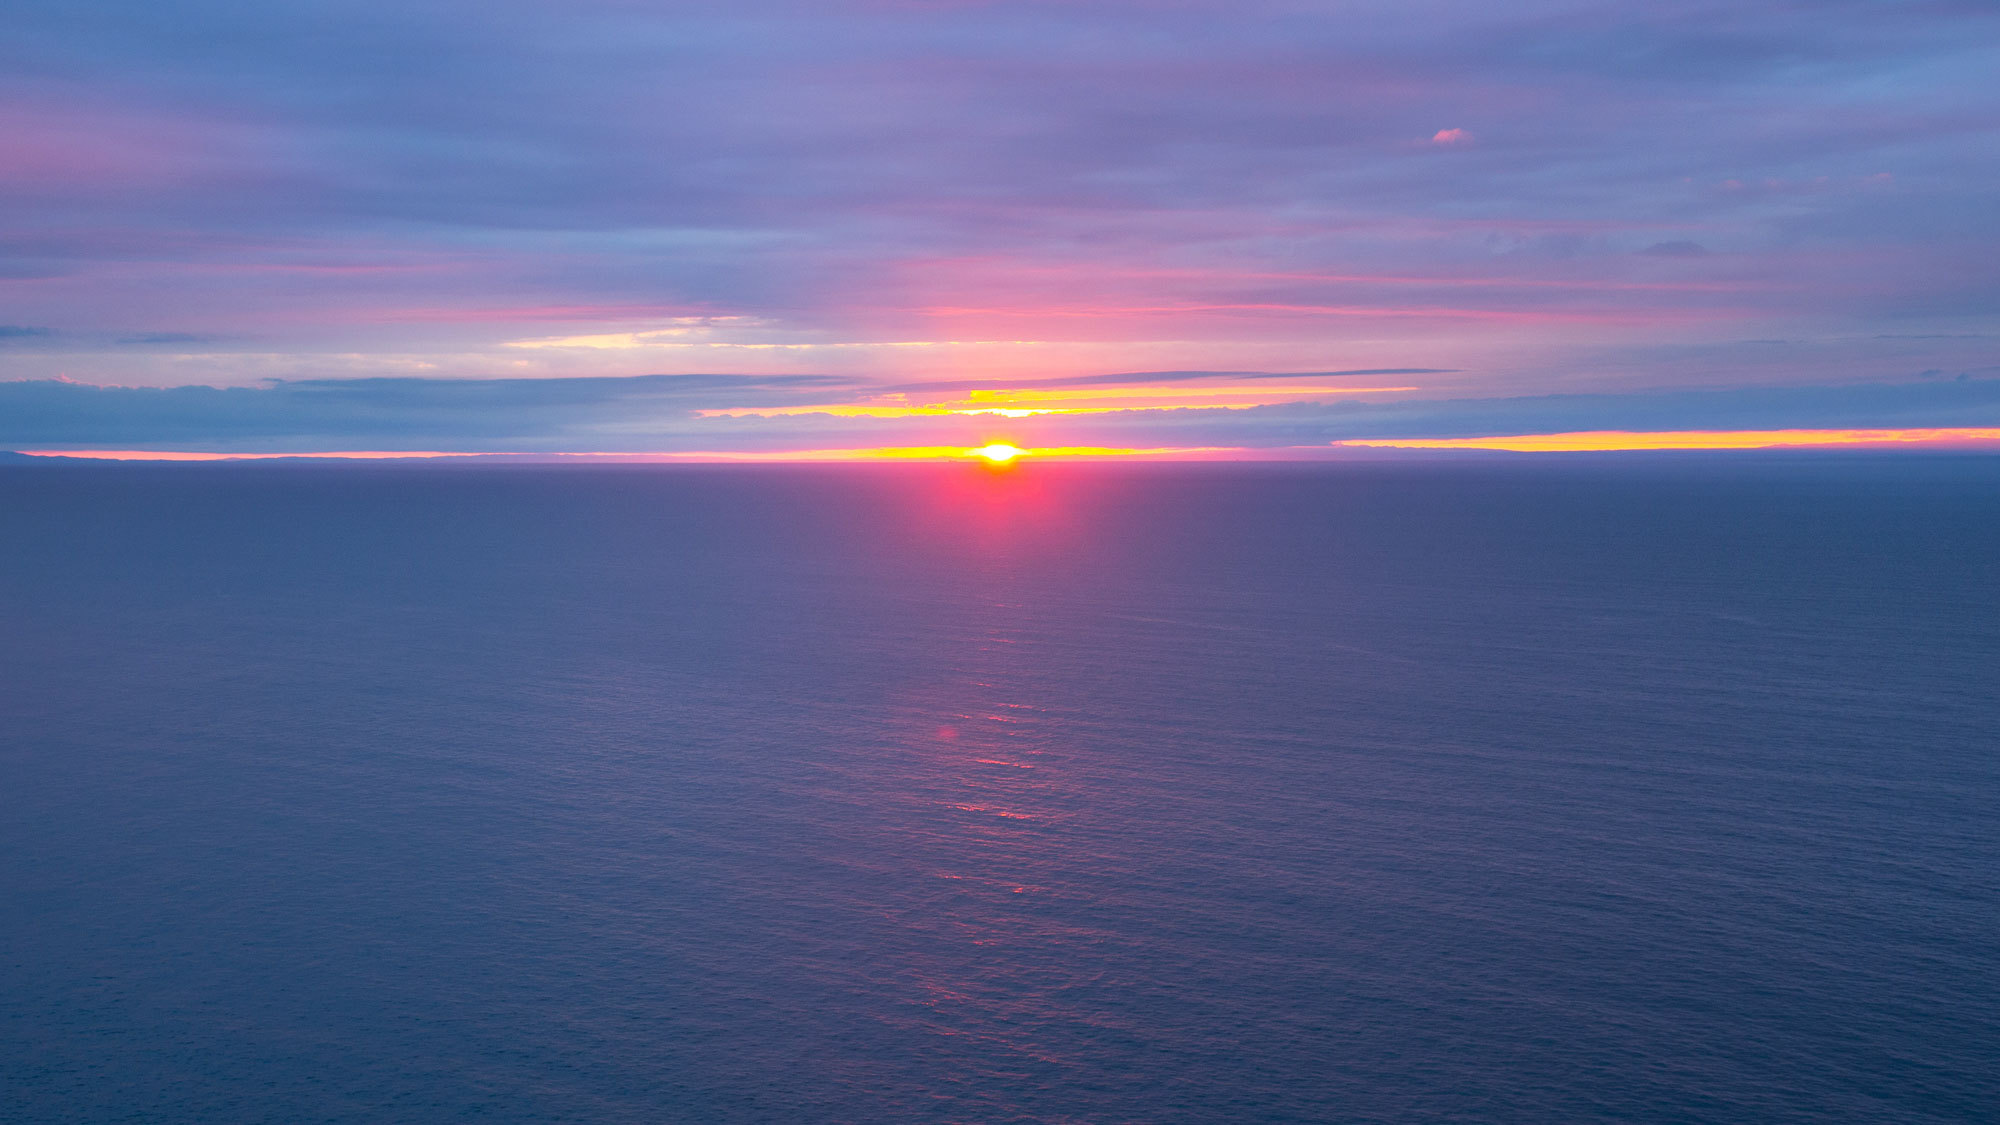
<point>905,192</point>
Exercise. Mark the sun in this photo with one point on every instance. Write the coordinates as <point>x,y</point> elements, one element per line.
<point>999,453</point>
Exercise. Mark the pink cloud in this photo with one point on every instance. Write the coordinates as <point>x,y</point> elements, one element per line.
<point>98,148</point>
<point>1451,137</point>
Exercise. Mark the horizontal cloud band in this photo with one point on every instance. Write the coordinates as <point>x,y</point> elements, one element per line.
<point>661,414</point>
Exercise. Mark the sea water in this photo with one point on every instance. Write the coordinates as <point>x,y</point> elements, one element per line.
<point>1650,790</point>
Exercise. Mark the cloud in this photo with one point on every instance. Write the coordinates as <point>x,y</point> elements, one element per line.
<point>1196,185</point>
<point>145,339</point>
<point>20,332</point>
<point>1157,378</point>
<point>1677,248</point>
<point>404,413</point>
<point>661,414</point>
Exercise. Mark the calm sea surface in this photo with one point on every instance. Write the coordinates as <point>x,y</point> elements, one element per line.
<point>1650,791</point>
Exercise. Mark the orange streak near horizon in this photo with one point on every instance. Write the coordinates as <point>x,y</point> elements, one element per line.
<point>1606,441</point>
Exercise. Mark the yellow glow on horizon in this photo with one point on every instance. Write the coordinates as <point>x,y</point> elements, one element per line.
<point>999,453</point>
<point>1607,441</point>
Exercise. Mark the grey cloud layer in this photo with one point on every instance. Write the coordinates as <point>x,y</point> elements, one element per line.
<point>655,414</point>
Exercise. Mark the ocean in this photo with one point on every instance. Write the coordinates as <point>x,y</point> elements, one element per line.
<point>1595,789</point>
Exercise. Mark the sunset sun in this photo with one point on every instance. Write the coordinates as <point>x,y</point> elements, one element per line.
<point>998,453</point>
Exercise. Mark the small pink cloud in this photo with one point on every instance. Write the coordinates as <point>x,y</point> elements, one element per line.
<point>1451,137</point>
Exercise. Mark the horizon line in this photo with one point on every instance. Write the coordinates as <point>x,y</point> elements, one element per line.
<point>1578,441</point>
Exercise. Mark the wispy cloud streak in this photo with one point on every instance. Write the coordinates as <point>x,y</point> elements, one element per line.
<point>1537,195</point>
<point>690,414</point>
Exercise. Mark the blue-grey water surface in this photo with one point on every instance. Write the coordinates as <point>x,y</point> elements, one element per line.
<point>1649,791</point>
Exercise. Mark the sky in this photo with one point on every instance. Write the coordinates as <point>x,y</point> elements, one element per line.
<point>1251,228</point>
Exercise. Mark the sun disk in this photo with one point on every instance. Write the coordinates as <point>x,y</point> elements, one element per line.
<point>998,453</point>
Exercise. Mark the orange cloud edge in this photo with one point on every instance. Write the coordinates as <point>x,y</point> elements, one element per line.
<point>1607,441</point>
<point>1584,441</point>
